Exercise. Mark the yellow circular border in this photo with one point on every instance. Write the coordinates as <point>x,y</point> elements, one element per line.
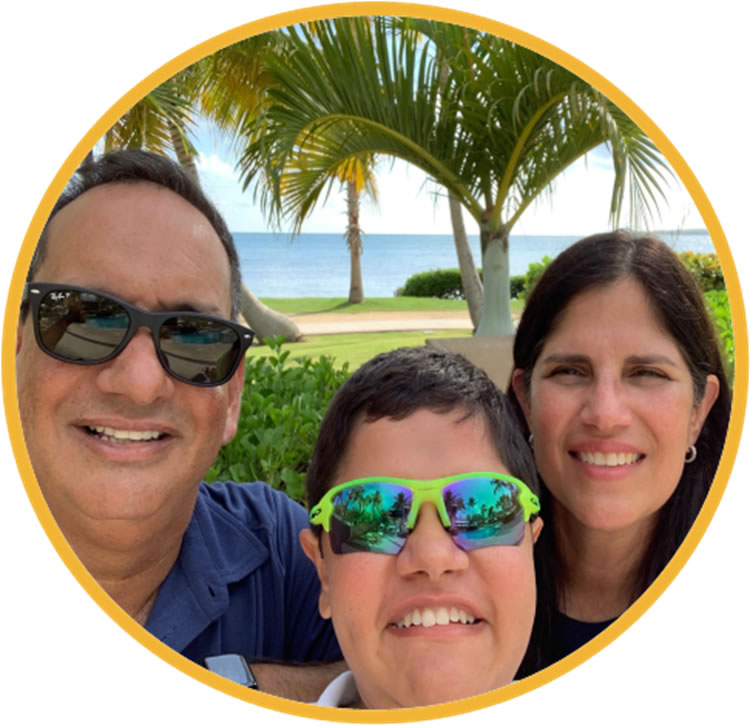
<point>318,13</point>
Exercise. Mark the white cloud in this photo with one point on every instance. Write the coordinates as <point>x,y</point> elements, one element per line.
<point>214,165</point>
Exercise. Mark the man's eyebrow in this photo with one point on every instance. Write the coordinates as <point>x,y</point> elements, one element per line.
<point>192,306</point>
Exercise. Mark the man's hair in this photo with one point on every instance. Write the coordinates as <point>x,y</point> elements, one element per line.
<point>133,166</point>
<point>398,383</point>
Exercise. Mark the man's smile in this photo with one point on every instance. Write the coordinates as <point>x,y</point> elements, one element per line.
<point>124,436</point>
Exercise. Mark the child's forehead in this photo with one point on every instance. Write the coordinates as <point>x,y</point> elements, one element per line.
<point>424,445</point>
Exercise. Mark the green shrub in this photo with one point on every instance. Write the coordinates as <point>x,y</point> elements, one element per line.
<point>283,403</point>
<point>445,284</point>
<point>721,314</point>
<point>534,272</point>
<point>517,285</point>
<point>706,270</point>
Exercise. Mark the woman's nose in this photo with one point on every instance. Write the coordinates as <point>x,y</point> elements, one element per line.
<point>606,406</point>
<point>429,548</point>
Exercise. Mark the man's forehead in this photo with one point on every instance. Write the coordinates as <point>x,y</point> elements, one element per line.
<point>113,197</point>
<point>134,230</point>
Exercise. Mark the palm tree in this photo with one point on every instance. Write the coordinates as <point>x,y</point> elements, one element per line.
<point>162,122</point>
<point>356,173</point>
<point>495,130</point>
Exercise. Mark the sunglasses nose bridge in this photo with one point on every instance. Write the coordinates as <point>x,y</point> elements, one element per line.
<point>151,321</point>
<point>427,493</point>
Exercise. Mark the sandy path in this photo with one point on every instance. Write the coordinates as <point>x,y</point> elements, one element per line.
<point>334,322</point>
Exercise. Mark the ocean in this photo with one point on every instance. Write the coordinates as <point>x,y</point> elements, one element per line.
<point>317,265</point>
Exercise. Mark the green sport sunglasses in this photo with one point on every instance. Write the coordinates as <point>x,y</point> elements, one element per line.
<point>376,514</point>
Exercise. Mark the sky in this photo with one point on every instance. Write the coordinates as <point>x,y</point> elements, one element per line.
<point>683,659</point>
<point>409,203</point>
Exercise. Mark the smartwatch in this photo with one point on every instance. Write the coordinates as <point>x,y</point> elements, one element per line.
<point>233,667</point>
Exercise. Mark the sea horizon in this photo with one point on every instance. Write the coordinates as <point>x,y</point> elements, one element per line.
<point>318,265</point>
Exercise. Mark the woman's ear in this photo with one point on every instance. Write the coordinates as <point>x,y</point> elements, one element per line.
<point>522,394</point>
<point>702,409</point>
<point>312,548</point>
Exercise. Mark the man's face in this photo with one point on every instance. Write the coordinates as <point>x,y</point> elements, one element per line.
<point>147,246</point>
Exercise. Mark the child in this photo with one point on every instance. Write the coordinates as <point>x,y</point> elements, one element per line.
<point>426,565</point>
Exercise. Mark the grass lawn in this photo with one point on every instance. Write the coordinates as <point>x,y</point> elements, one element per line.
<point>356,348</point>
<point>315,305</point>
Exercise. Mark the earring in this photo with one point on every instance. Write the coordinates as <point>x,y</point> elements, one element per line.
<point>691,455</point>
<point>531,439</point>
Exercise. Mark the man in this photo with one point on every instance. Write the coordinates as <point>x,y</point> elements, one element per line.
<point>124,411</point>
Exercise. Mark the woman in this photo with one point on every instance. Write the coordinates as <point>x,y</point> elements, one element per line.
<point>619,377</point>
<point>422,532</point>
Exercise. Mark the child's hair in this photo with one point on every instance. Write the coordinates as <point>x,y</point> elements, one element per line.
<point>398,383</point>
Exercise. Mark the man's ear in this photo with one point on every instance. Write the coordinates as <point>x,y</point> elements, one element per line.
<point>311,546</point>
<point>19,331</point>
<point>522,394</point>
<point>234,402</point>
<point>536,528</point>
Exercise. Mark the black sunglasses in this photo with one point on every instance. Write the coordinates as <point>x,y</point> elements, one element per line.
<point>86,327</point>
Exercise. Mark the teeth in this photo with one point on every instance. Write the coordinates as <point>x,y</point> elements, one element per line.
<point>608,459</point>
<point>427,617</point>
<point>125,435</point>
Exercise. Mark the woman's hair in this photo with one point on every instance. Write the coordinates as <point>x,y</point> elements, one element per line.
<point>678,304</point>
<point>398,383</point>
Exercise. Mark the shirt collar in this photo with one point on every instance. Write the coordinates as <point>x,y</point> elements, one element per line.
<point>217,550</point>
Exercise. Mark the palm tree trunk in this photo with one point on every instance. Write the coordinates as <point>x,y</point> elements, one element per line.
<point>354,242</point>
<point>184,156</point>
<point>469,276</point>
<point>265,322</point>
<point>496,318</point>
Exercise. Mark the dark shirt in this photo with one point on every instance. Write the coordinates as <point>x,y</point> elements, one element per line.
<point>242,583</point>
<point>570,634</point>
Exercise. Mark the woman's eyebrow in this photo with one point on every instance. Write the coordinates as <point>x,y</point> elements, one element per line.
<point>651,360</point>
<point>565,358</point>
<point>571,358</point>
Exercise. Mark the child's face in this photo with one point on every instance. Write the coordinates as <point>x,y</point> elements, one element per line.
<point>369,594</point>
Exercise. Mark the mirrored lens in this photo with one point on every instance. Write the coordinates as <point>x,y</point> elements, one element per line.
<point>198,350</point>
<point>371,517</point>
<point>484,512</point>
<point>81,326</point>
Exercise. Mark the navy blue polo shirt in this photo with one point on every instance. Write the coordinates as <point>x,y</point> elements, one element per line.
<point>242,583</point>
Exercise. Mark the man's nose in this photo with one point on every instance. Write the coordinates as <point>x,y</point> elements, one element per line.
<point>136,372</point>
<point>606,406</point>
<point>429,549</point>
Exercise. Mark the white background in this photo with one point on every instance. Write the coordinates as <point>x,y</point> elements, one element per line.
<point>63,65</point>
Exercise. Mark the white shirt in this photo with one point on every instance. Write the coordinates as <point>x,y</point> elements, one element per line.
<point>340,692</point>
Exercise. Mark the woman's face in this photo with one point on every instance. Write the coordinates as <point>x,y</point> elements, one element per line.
<point>612,410</point>
<point>368,595</point>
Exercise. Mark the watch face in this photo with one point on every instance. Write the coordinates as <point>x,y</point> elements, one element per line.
<point>233,667</point>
